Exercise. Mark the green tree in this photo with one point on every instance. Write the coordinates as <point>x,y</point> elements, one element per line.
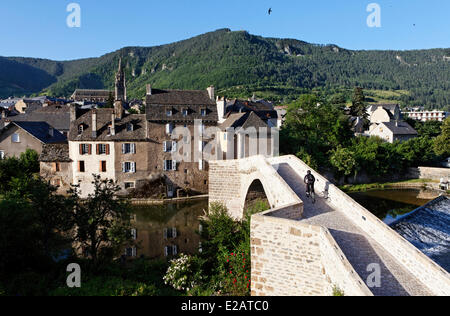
<point>442,142</point>
<point>359,107</point>
<point>102,221</point>
<point>343,160</point>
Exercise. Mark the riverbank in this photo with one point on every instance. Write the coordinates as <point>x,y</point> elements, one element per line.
<point>167,201</point>
<point>413,184</point>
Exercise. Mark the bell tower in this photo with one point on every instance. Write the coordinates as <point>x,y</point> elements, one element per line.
<point>121,87</point>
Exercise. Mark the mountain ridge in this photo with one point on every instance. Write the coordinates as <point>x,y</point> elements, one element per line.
<point>230,59</point>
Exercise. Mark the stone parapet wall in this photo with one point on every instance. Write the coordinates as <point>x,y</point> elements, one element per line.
<point>428,272</point>
<point>290,258</point>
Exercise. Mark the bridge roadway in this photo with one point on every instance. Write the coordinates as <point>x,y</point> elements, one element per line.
<point>358,247</point>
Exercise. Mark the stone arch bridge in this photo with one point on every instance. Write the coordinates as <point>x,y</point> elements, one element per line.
<point>300,248</point>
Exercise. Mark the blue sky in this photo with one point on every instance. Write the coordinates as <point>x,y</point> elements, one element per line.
<point>37,28</point>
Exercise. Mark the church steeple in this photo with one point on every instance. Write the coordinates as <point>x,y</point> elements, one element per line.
<point>121,87</point>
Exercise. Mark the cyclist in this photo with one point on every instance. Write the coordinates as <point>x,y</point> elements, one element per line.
<point>309,180</point>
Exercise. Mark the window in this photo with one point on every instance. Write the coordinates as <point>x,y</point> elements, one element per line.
<point>102,166</point>
<point>56,167</point>
<point>185,112</point>
<point>134,234</point>
<point>203,112</point>
<point>170,250</point>
<point>169,112</point>
<point>85,149</point>
<point>15,138</point>
<point>128,148</point>
<point>170,146</point>
<point>131,252</point>
<point>169,128</point>
<point>224,136</point>
<point>129,185</point>
<point>170,233</point>
<point>80,129</point>
<point>81,166</point>
<point>129,167</point>
<point>130,127</point>
<point>102,149</point>
<point>170,165</point>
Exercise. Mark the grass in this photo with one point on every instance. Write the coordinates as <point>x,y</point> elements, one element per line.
<point>337,291</point>
<point>387,185</point>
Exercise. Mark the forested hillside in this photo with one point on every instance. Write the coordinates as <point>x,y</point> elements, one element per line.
<point>239,64</point>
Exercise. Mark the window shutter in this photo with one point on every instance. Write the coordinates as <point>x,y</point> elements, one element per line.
<point>165,146</point>
<point>133,148</point>
<point>134,252</point>
<point>165,233</point>
<point>90,149</point>
<point>134,234</point>
<point>174,232</point>
<point>166,251</point>
<point>174,250</point>
<point>81,149</point>
<point>123,148</point>
<point>97,148</point>
<point>133,167</point>
<point>174,165</point>
<point>174,147</point>
<point>79,166</point>
<point>107,149</point>
<point>123,167</point>
<point>101,169</point>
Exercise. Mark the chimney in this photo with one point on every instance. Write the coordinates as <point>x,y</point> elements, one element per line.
<point>149,89</point>
<point>113,124</point>
<point>118,109</point>
<point>51,132</point>
<point>94,123</point>
<point>73,113</point>
<point>211,92</point>
<point>221,108</point>
<point>396,123</point>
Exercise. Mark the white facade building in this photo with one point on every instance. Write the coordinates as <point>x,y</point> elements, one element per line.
<point>425,116</point>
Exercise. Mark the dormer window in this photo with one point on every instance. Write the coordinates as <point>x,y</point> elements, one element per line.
<point>169,113</point>
<point>130,127</point>
<point>185,112</point>
<point>80,129</point>
<point>203,112</point>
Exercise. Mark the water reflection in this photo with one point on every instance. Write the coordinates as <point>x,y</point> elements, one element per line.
<point>166,230</point>
<point>387,205</point>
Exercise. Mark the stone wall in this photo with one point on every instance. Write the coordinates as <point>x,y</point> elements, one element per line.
<point>229,182</point>
<point>290,258</point>
<point>433,173</point>
<point>428,272</point>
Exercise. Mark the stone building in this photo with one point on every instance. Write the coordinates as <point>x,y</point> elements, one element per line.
<point>56,166</point>
<point>167,111</point>
<point>380,113</point>
<point>89,95</point>
<point>245,134</point>
<point>111,144</point>
<point>393,131</point>
<point>17,137</point>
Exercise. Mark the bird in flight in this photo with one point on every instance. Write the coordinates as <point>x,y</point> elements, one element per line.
<point>270,11</point>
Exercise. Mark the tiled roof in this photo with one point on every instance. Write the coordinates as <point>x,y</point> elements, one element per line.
<point>263,109</point>
<point>55,153</point>
<point>56,116</point>
<point>41,131</point>
<point>400,128</point>
<point>243,120</point>
<point>194,101</point>
<point>83,93</point>
<point>103,121</point>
